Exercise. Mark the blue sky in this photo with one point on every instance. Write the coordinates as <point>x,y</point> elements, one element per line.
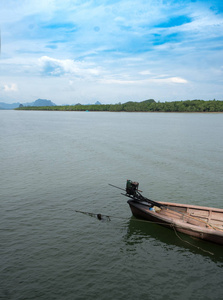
<point>71,51</point>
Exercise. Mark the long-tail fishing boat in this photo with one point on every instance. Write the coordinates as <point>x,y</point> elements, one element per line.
<point>198,221</point>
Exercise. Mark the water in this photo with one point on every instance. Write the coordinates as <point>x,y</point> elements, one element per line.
<point>53,163</point>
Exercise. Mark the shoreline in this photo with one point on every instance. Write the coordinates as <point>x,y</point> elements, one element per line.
<point>100,111</point>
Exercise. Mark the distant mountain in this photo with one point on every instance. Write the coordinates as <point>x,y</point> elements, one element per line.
<point>9,106</point>
<point>42,102</point>
<point>96,103</point>
<point>38,102</point>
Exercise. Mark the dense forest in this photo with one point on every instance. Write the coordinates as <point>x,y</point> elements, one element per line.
<point>144,106</point>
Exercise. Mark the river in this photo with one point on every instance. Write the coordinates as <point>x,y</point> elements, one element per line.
<point>55,163</point>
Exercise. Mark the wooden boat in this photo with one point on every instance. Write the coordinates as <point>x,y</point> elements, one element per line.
<point>198,221</point>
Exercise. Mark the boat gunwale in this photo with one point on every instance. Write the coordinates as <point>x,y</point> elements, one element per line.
<point>191,206</point>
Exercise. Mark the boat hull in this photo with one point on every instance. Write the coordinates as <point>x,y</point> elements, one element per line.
<point>179,218</point>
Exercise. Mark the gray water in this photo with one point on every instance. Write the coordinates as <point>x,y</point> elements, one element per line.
<point>54,163</point>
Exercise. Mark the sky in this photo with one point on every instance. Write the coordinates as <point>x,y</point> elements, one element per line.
<point>111,51</point>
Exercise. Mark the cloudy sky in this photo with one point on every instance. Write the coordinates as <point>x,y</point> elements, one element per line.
<point>71,51</point>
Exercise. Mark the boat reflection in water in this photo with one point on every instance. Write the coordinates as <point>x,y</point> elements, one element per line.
<point>152,235</point>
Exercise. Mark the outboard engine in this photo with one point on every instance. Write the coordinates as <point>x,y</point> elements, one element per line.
<point>132,188</point>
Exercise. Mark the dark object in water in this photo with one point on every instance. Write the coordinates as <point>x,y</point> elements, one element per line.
<point>99,216</point>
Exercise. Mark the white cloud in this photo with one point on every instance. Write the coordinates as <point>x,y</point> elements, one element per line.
<point>171,80</point>
<point>146,72</point>
<point>144,81</point>
<point>57,67</point>
<point>117,81</point>
<point>12,87</point>
<point>178,80</point>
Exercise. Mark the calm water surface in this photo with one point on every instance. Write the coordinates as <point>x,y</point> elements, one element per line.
<point>53,163</point>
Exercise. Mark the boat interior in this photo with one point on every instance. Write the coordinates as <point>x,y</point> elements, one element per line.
<point>199,216</point>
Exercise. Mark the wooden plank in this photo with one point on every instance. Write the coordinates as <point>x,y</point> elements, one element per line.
<point>216,216</point>
<point>198,213</point>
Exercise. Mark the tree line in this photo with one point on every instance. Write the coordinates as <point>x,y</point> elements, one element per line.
<point>144,106</point>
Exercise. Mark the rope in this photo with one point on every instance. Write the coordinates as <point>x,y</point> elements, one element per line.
<point>199,248</point>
